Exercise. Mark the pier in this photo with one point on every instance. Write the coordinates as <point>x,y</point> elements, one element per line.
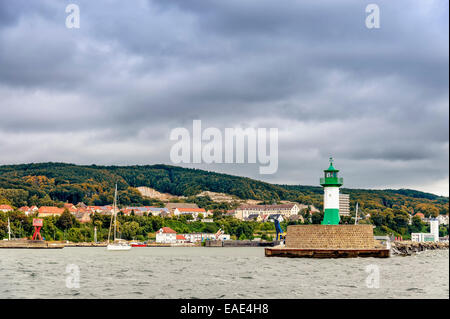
<point>325,253</point>
<point>30,244</point>
<point>329,241</point>
<point>240,243</point>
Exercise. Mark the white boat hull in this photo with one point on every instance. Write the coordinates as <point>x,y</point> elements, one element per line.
<point>118,247</point>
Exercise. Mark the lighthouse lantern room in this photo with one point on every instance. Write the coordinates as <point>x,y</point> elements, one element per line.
<point>331,183</point>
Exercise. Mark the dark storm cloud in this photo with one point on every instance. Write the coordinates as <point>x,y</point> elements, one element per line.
<point>112,90</point>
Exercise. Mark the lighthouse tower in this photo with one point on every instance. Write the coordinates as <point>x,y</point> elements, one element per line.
<point>331,183</point>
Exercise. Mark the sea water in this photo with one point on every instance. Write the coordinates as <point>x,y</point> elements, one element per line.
<point>201,272</point>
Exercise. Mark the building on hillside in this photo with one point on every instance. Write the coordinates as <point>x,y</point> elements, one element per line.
<point>157,211</point>
<point>420,215</point>
<point>274,217</point>
<point>81,205</point>
<point>82,216</point>
<point>434,228</point>
<point>230,212</point>
<point>180,239</point>
<point>28,210</point>
<point>443,219</point>
<point>311,208</point>
<point>224,237</point>
<point>422,237</point>
<point>295,218</point>
<point>195,237</point>
<point>5,208</point>
<point>199,237</point>
<point>102,210</point>
<point>255,217</point>
<point>141,210</point>
<point>172,206</point>
<point>46,211</point>
<point>189,211</point>
<point>344,204</point>
<point>164,214</point>
<point>433,235</point>
<point>25,209</point>
<point>244,211</point>
<point>166,235</point>
<point>70,207</point>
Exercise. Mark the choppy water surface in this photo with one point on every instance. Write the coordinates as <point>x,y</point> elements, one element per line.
<point>217,273</point>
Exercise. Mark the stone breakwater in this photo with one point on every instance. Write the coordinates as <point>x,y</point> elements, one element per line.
<point>407,248</point>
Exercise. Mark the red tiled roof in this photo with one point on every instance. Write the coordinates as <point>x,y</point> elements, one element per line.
<point>51,210</point>
<point>6,207</point>
<point>420,215</point>
<point>168,230</point>
<point>181,237</point>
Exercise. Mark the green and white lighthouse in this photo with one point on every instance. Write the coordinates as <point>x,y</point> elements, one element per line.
<point>331,183</point>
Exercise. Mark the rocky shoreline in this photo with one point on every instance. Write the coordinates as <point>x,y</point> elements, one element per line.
<point>407,248</point>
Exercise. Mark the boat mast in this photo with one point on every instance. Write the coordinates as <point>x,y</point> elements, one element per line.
<point>9,229</point>
<point>115,214</point>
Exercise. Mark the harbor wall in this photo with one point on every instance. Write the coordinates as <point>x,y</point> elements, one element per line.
<point>240,243</point>
<point>330,237</point>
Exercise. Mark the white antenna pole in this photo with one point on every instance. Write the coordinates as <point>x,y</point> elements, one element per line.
<point>356,216</point>
<point>9,230</point>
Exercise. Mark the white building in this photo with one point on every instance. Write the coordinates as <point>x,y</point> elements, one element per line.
<point>181,239</point>
<point>5,208</point>
<point>224,237</point>
<point>189,211</point>
<point>244,211</point>
<point>199,237</point>
<point>422,237</point>
<point>443,219</point>
<point>344,204</point>
<point>434,228</point>
<point>195,237</point>
<point>433,235</point>
<point>166,235</point>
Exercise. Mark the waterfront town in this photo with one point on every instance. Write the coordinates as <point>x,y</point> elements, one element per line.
<point>181,220</point>
<point>292,212</point>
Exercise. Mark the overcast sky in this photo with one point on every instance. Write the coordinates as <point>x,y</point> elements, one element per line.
<point>110,92</point>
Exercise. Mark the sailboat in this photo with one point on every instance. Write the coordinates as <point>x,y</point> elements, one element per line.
<point>116,245</point>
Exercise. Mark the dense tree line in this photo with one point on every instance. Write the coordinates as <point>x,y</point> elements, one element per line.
<point>47,184</point>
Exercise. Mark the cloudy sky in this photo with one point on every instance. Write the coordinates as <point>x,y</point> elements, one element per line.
<point>110,92</point>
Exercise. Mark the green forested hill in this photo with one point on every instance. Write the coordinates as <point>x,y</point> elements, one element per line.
<point>53,183</point>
